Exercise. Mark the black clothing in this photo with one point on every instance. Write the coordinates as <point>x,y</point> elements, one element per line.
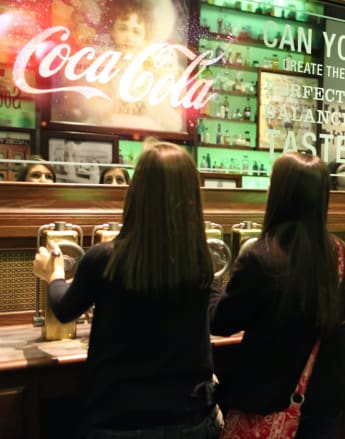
<point>274,351</point>
<point>149,358</point>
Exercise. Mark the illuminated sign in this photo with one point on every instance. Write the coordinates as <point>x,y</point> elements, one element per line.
<point>104,63</point>
<point>186,90</point>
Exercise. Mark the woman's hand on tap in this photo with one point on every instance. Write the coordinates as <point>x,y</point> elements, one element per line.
<point>48,263</point>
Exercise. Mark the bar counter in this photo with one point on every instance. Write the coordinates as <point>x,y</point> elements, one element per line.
<point>40,381</point>
<point>21,346</point>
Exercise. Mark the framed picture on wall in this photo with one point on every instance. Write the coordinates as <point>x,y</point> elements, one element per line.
<point>111,81</point>
<point>79,157</point>
<point>16,145</point>
<point>287,111</point>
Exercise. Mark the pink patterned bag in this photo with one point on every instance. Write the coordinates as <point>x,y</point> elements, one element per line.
<point>277,425</point>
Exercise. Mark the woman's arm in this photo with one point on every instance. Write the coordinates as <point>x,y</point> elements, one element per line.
<point>236,308</point>
<point>70,301</point>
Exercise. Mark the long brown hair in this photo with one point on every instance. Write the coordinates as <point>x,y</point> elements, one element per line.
<point>162,243</point>
<point>295,224</point>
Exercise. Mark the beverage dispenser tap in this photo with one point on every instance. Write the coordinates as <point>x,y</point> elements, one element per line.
<point>70,239</point>
<point>105,232</point>
<point>243,235</point>
<point>220,252</point>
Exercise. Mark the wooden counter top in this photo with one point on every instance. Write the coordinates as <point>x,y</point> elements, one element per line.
<point>21,347</point>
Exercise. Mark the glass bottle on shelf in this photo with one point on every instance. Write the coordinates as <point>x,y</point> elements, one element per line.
<point>229,57</point>
<point>238,59</point>
<point>237,84</point>
<point>275,61</point>
<point>208,160</point>
<point>228,28</point>
<point>219,24</point>
<point>206,135</point>
<point>203,163</point>
<point>213,102</point>
<point>267,63</point>
<point>201,131</point>
<point>245,164</point>
<point>237,5</point>
<point>231,164</point>
<point>226,138</point>
<point>262,170</point>
<point>247,138</point>
<point>237,115</point>
<point>287,62</point>
<point>219,135</point>
<point>247,111</point>
<point>247,57</point>
<point>226,107</point>
<point>220,54</point>
<point>252,87</point>
<point>255,168</point>
<point>222,110</point>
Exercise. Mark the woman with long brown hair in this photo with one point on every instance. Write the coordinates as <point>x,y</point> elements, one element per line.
<point>284,293</point>
<point>149,363</point>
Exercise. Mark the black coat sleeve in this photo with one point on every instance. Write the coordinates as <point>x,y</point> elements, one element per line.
<point>70,301</point>
<point>244,298</point>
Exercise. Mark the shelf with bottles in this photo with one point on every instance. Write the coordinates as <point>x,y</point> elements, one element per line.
<point>235,30</point>
<point>232,82</point>
<point>298,11</point>
<point>214,133</point>
<point>234,119</point>
<point>225,108</point>
<point>247,163</point>
<point>235,58</point>
<point>243,57</point>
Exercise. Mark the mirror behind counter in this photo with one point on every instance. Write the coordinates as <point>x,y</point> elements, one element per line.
<point>25,207</point>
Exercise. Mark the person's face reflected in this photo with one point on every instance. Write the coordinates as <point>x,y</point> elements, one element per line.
<point>39,174</point>
<point>115,177</point>
<point>129,33</point>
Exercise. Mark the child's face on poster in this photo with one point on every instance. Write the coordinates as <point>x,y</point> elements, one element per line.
<point>128,33</point>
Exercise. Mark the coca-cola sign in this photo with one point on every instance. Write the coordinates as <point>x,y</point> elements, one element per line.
<point>187,90</point>
<point>106,63</point>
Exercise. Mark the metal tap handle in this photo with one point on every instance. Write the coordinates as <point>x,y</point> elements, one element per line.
<point>221,255</point>
<point>69,261</point>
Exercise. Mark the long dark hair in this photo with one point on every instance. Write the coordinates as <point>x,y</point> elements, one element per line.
<point>295,225</point>
<point>162,244</point>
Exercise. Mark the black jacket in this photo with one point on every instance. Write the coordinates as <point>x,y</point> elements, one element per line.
<point>273,353</point>
<point>149,358</point>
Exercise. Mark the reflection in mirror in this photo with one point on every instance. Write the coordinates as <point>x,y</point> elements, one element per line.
<point>114,176</point>
<point>38,170</point>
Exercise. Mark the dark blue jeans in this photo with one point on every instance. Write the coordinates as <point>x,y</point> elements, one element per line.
<point>207,429</point>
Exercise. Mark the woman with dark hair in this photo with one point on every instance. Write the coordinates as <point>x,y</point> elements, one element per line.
<point>114,176</point>
<point>40,172</point>
<point>149,363</point>
<point>284,294</point>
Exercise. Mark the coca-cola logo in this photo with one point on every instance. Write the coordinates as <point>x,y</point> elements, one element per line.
<point>188,90</point>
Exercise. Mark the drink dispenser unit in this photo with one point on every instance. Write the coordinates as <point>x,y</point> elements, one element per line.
<point>70,238</point>
<point>105,232</point>
<point>220,252</point>
<point>243,235</point>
